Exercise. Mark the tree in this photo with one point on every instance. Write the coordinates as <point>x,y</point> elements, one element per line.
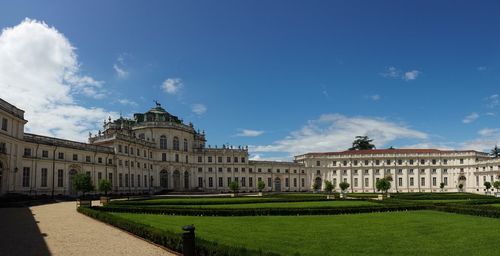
<point>329,186</point>
<point>104,186</point>
<point>361,143</point>
<point>460,186</point>
<point>441,186</point>
<point>383,185</point>
<point>496,185</point>
<point>495,152</point>
<point>487,184</point>
<point>261,185</point>
<point>82,182</point>
<point>343,186</point>
<point>234,186</point>
<point>316,186</point>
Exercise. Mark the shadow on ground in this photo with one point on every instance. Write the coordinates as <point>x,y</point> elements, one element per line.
<point>20,234</point>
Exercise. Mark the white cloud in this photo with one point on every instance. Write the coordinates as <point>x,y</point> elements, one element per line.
<point>249,133</point>
<point>374,97</point>
<point>127,102</point>
<point>470,118</point>
<point>488,131</point>
<point>39,73</point>
<point>172,85</point>
<point>391,72</point>
<point>411,75</point>
<point>199,109</point>
<point>333,132</point>
<point>394,73</point>
<point>481,68</point>
<point>119,67</point>
<point>493,100</point>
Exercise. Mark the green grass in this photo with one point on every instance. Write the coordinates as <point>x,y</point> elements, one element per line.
<point>394,233</point>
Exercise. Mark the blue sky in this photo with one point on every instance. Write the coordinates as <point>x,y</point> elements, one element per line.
<point>285,77</point>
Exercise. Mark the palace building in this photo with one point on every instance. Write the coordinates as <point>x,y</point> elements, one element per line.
<point>156,151</point>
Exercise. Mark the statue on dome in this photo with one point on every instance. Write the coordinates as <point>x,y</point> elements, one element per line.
<point>157,103</point>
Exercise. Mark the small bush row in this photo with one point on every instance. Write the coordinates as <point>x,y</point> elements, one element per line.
<point>169,239</point>
<point>483,211</point>
<point>437,196</point>
<point>198,201</point>
<point>266,211</point>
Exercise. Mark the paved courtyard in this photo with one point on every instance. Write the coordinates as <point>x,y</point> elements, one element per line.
<point>57,229</point>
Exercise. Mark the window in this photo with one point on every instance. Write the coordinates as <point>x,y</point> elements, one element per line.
<point>60,178</point>
<point>355,162</point>
<point>120,180</point>
<point>269,182</point>
<point>400,171</point>
<point>110,161</point>
<point>412,181</point>
<point>259,170</point>
<point>243,182</point>
<point>411,171</point>
<point>400,162</point>
<point>366,162</point>
<point>200,170</point>
<point>60,155</point>
<point>334,163</point>
<point>235,159</point>
<point>145,180</point>
<point>229,169</point>
<point>220,169</point>
<point>27,152</point>
<point>387,162</point>
<point>345,163</point>
<point>120,162</point>
<point>45,153</point>
<point>209,159</point>
<point>209,169</point>
<point>26,177</point>
<point>422,181</point>
<point>3,148</point>
<point>250,181</point>
<point>400,181</point>
<point>318,163</point>
<point>377,171</point>
<point>219,159</point>
<point>228,159</point>
<point>295,182</point>
<point>445,181</point>
<point>445,170</point>
<point>220,182</point>
<point>461,161</point>
<point>138,152</point>
<point>99,160</point>
<point>433,181</point>
<point>4,124</point>
<point>126,180</point>
<point>185,145</point>
<point>44,177</point>
<point>210,182</point>
<point>187,159</point>
<point>318,172</point>
<point>164,157</point>
<point>366,182</point>
<point>445,161</point>
<point>176,158</point>
<point>433,161</point>
<point>176,143</point>
<point>87,159</point>
<point>422,161</point>
<point>303,182</point>
<point>355,182</point>
<point>99,176</point>
<point>377,162</point>
<point>411,161</point>
<point>200,159</point>
<point>126,149</point>
<point>120,148</point>
<point>242,159</point>
<point>131,180</point>
<point>334,182</point>
<point>433,170</point>
<point>228,181</point>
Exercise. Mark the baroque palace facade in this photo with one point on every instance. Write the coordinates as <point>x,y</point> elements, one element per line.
<point>156,151</point>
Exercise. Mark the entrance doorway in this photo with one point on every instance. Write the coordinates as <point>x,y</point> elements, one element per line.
<point>277,184</point>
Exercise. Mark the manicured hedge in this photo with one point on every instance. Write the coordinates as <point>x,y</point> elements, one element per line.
<point>169,239</point>
<point>266,211</point>
<point>204,201</point>
<point>483,211</point>
<point>436,196</point>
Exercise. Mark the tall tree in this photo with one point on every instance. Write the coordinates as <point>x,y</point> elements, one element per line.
<point>362,142</point>
<point>495,152</point>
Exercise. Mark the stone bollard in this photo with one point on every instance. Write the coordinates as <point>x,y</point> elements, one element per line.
<point>188,241</point>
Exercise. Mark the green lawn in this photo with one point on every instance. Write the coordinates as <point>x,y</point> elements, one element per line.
<point>393,233</point>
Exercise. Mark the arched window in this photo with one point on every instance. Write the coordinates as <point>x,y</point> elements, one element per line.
<point>176,143</point>
<point>163,142</point>
<point>185,145</point>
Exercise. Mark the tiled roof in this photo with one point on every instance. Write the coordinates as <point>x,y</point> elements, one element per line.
<point>389,151</point>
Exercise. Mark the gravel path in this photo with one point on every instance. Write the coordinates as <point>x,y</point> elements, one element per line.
<point>67,232</point>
